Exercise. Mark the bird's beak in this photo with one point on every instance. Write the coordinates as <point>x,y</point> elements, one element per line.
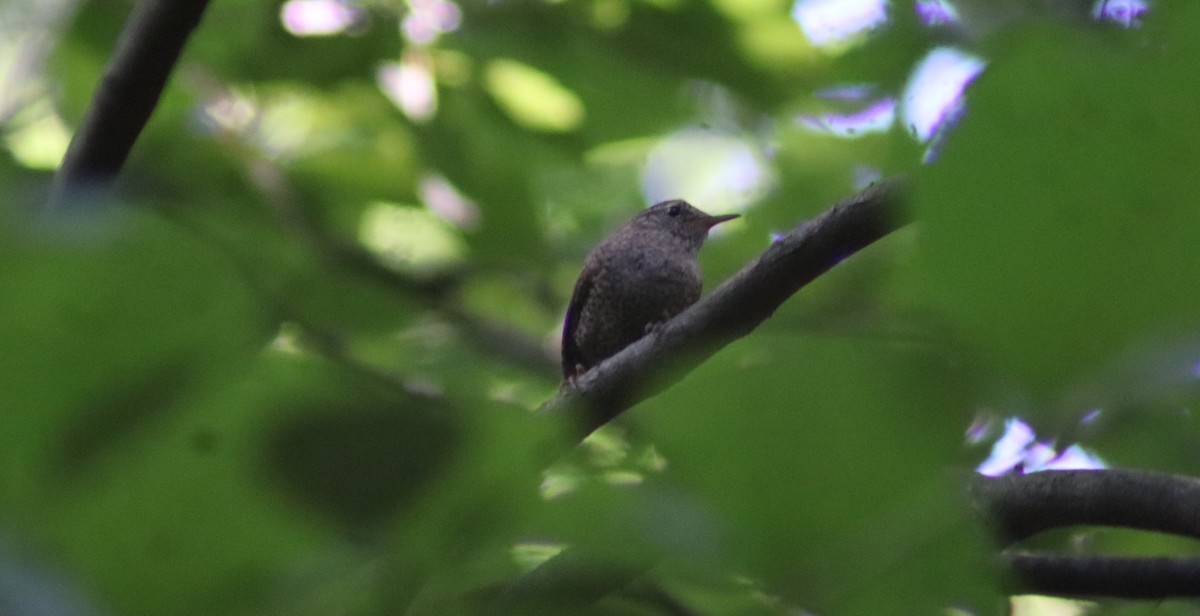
<point>716,220</point>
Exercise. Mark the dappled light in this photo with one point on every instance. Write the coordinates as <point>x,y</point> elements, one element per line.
<point>606,458</point>
<point>289,340</point>
<point>1125,13</point>
<point>1038,605</point>
<point>230,112</point>
<point>444,200</point>
<point>709,169</point>
<point>429,19</point>
<point>934,93</point>
<point>28,30</point>
<point>533,98</point>
<point>410,85</point>
<point>319,17</point>
<point>411,239</point>
<point>37,137</point>
<point>932,99</point>
<point>279,125</point>
<point>936,12</point>
<point>530,555</point>
<point>1018,450</point>
<point>871,113</point>
<point>828,23</point>
<point>31,127</point>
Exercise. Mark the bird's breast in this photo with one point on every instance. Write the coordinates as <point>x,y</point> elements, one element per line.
<point>654,281</point>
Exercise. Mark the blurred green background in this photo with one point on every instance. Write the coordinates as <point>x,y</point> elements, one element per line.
<point>292,370</point>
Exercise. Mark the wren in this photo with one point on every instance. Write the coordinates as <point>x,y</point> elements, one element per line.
<point>640,276</point>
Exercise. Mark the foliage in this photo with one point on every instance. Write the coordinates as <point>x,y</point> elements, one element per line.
<point>218,400</point>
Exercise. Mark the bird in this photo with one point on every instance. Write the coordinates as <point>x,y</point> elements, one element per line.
<point>637,278</point>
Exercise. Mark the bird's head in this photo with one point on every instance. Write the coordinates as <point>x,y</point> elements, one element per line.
<point>679,219</point>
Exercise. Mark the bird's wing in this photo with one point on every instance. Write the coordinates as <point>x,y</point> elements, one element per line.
<point>570,351</point>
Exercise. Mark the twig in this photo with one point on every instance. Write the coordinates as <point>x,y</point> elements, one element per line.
<point>734,309</point>
<point>147,50</point>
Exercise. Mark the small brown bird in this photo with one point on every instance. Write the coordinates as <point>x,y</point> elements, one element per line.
<point>641,275</point>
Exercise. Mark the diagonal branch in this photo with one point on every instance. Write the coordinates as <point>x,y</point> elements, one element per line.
<point>147,50</point>
<point>734,309</point>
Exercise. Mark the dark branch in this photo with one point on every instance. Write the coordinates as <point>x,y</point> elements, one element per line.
<point>146,53</point>
<point>1021,506</point>
<point>734,309</point>
<point>1106,576</point>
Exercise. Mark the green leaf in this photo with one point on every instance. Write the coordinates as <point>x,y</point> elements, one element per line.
<point>1059,220</point>
<point>116,324</point>
<point>819,466</point>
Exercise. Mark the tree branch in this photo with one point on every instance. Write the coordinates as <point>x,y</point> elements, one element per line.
<point>1021,506</point>
<point>147,50</point>
<point>1106,576</point>
<point>734,309</point>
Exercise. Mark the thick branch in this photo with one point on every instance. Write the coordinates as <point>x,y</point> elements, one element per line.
<point>734,309</point>
<point>1021,506</point>
<point>146,53</point>
<point>1106,576</point>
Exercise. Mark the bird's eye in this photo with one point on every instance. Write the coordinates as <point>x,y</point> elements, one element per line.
<point>673,211</point>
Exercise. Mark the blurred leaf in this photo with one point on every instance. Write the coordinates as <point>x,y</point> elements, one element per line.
<point>624,94</point>
<point>362,464</point>
<point>481,152</point>
<point>1057,233</point>
<point>254,46</point>
<point>455,546</point>
<point>123,318</point>
<point>532,98</point>
<point>359,149</point>
<point>833,489</point>
<point>327,285</point>
<point>116,414</point>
